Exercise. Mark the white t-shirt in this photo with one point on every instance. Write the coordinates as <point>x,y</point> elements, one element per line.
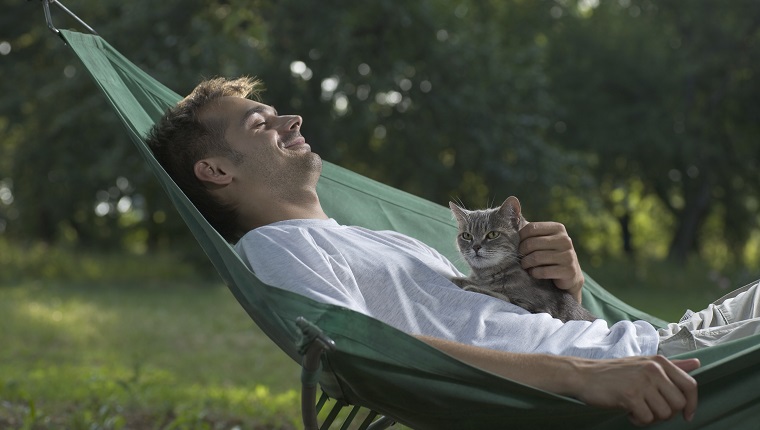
<point>405,283</point>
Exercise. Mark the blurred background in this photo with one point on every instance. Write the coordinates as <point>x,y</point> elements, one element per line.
<point>636,123</point>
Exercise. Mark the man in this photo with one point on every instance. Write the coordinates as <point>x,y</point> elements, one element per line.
<point>253,176</point>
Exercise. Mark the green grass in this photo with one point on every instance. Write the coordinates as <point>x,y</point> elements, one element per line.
<point>149,356</point>
<point>666,290</point>
<point>97,341</point>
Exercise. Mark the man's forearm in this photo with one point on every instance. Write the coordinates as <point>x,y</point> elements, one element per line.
<point>546,372</point>
<point>650,389</point>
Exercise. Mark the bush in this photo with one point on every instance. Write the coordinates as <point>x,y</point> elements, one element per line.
<point>39,261</point>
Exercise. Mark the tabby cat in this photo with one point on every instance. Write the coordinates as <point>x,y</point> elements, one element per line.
<point>488,240</point>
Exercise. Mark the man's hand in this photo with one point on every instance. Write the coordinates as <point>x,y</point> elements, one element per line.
<point>548,253</point>
<point>651,389</point>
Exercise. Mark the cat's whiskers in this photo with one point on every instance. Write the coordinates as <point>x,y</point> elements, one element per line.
<point>511,259</point>
<point>459,259</point>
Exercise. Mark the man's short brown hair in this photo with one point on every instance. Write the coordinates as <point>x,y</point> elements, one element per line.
<point>179,139</point>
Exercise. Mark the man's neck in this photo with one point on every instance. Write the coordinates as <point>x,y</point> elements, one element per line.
<point>268,211</point>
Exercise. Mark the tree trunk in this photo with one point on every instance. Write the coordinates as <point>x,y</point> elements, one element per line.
<point>625,231</point>
<point>689,222</point>
<point>45,226</point>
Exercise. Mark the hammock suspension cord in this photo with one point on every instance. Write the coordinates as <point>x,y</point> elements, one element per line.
<point>49,18</point>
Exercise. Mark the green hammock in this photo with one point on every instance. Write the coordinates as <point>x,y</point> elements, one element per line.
<point>374,366</point>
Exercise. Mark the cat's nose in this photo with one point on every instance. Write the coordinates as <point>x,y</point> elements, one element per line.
<point>476,248</point>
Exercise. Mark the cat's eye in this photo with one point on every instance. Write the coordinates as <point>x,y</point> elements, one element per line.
<point>466,236</point>
<point>493,234</point>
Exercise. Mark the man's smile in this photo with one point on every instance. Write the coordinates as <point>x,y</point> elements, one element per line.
<point>297,143</point>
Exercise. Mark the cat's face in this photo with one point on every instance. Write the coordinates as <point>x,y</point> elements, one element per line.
<point>483,245</point>
<point>489,237</point>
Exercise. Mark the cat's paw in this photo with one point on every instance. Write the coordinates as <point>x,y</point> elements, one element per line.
<point>460,282</point>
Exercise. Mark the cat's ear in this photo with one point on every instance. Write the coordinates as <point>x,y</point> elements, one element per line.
<point>511,206</point>
<point>511,209</point>
<point>458,212</point>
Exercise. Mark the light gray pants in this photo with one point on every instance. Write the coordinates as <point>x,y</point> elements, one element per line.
<point>733,316</point>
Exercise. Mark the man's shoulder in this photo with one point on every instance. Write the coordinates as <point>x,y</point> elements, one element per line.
<point>290,232</point>
<point>291,225</point>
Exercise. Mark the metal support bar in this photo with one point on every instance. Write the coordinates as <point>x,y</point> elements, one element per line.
<point>337,407</point>
<point>49,18</point>
<point>313,344</point>
<point>368,420</point>
<point>321,403</point>
<point>350,418</point>
<point>382,423</point>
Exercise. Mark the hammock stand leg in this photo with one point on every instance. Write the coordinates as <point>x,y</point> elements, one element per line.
<point>314,343</point>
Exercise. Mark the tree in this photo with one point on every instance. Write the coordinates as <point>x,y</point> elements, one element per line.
<point>442,99</point>
<point>75,177</point>
<point>662,95</point>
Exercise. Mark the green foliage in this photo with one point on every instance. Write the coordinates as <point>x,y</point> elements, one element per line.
<point>48,263</point>
<point>640,116</point>
<point>658,93</point>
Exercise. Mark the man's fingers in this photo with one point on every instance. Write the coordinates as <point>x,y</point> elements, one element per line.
<point>548,253</point>
<point>668,391</point>
<point>650,388</point>
<point>535,243</point>
<point>687,365</point>
<point>541,229</point>
<point>661,407</point>
<point>550,272</point>
<point>656,406</point>
<point>639,413</point>
<point>553,242</point>
<point>673,400</point>
<point>547,258</point>
<point>685,383</point>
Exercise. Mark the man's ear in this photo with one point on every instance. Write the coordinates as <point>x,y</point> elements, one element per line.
<point>210,170</point>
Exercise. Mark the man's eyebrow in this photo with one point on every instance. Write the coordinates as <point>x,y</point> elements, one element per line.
<point>257,109</point>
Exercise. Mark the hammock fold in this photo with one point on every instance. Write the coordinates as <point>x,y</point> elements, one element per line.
<point>376,366</point>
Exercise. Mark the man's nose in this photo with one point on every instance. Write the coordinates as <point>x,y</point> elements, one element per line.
<point>290,122</point>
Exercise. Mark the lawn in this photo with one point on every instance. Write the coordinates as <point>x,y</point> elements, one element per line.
<point>115,342</point>
<point>666,290</point>
<point>168,355</point>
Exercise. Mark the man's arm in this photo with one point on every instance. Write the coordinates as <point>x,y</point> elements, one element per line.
<point>650,389</point>
<point>548,253</point>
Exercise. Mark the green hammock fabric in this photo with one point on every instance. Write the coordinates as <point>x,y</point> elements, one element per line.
<point>376,366</point>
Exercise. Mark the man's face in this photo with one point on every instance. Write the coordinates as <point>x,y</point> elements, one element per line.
<point>275,153</point>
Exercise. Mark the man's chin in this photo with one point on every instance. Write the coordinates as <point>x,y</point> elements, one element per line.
<point>315,161</point>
